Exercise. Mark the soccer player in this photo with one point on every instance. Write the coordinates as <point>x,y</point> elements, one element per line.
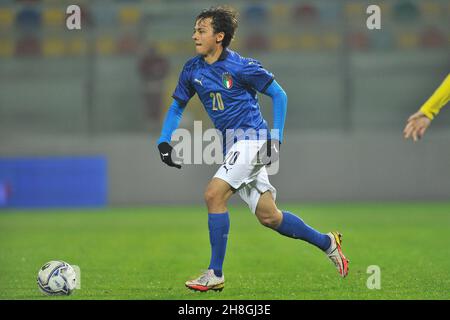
<point>418,123</point>
<point>227,84</point>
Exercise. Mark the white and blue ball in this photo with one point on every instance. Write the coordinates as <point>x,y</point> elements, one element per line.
<point>57,278</point>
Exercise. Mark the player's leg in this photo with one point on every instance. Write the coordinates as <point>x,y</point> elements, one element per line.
<point>287,223</point>
<point>228,178</point>
<point>217,194</point>
<point>267,212</point>
<point>234,172</point>
<point>290,225</point>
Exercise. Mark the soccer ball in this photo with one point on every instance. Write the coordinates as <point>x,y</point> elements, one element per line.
<point>56,278</point>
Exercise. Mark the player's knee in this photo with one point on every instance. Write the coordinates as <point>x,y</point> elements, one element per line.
<point>270,220</point>
<point>212,196</point>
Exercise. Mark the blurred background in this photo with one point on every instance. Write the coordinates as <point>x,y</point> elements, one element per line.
<point>81,110</point>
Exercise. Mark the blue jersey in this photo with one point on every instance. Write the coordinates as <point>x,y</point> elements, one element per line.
<point>228,90</point>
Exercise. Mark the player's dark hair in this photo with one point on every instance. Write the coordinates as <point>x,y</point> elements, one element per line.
<point>224,19</point>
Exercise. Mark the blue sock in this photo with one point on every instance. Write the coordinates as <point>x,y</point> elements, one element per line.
<point>294,227</point>
<point>219,225</point>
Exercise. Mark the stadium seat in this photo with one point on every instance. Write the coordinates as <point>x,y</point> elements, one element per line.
<point>257,41</point>
<point>280,11</point>
<point>255,13</point>
<point>165,47</point>
<point>28,18</point>
<point>105,45</point>
<point>406,11</point>
<point>331,41</point>
<point>53,17</point>
<point>282,43</point>
<point>305,13</point>
<point>129,15</point>
<point>28,46</point>
<point>358,41</point>
<point>354,10</point>
<point>432,38</point>
<point>77,46</point>
<point>127,44</point>
<point>174,47</point>
<point>6,47</point>
<point>308,42</point>
<point>6,17</point>
<point>430,9</point>
<point>407,40</point>
<point>53,47</point>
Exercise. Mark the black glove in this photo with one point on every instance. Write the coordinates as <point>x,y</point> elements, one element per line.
<point>165,151</point>
<point>269,152</point>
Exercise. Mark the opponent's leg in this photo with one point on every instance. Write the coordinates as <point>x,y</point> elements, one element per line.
<point>292,226</point>
<point>216,195</point>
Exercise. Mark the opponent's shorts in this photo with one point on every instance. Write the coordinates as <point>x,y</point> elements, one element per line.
<point>244,173</point>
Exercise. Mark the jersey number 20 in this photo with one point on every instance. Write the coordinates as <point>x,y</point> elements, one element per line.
<point>217,102</point>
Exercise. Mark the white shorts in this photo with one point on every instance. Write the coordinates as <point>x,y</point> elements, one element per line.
<point>244,174</point>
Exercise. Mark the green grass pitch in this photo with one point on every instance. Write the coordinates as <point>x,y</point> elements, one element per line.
<point>148,253</point>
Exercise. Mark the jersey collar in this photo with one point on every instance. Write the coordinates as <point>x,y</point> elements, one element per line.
<point>223,56</point>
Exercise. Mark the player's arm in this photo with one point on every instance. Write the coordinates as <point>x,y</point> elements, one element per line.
<point>279,102</point>
<point>254,75</point>
<point>439,99</point>
<point>181,96</point>
<point>171,123</point>
<point>418,123</point>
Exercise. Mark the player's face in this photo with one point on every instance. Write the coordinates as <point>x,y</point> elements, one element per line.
<point>206,41</point>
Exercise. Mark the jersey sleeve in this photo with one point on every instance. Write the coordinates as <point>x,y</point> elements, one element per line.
<point>439,99</point>
<point>255,76</point>
<point>184,90</point>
